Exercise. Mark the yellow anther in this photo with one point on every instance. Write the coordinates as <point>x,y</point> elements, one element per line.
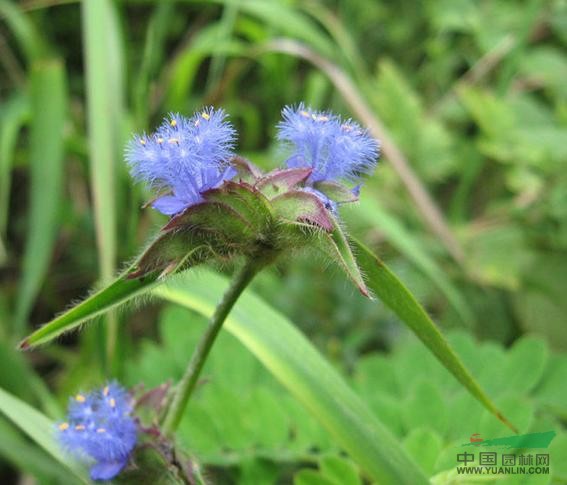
<point>112,402</point>
<point>101,430</point>
<point>173,140</point>
<point>64,426</point>
<point>105,391</point>
<point>205,116</point>
<point>160,140</point>
<point>173,123</point>
<point>80,398</point>
<point>314,116</point>
<point>304,113</point>
<point>79,427</point>
<point>142,141</point>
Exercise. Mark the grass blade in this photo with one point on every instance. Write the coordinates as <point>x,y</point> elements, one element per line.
<point>40,429</point>
<point>298,366</point>
<point>14,112</point>
<point>105,103</point>
<point>398,298</point>
<point>48,103</point>
<point>25,456</point>
<point>288,20</point>
<point>30,42</point>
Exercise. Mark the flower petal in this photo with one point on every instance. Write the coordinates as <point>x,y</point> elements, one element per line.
<point>107,470</point>
<point>169,205</point>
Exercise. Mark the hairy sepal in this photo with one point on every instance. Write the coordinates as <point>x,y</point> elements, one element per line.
<point>301,206</point>
<point>246,171</point>
<point>244,199</point>
<point>172,251</point>
<point>335,245</point>
<point>280,181</point>
<point>337,192</point>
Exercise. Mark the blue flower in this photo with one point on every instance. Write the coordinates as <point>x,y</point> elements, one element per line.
<point>185,156</point>
<point>100,430</point>
<point>334,148</point>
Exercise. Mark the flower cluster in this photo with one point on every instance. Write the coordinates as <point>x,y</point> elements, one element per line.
<point>335,149</point>
<point>100,429</point>
<point>185,156</point>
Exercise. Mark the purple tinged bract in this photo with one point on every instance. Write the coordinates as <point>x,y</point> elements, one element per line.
<point>100,430</point>
<point>334,148</point>
<point>185,157</point>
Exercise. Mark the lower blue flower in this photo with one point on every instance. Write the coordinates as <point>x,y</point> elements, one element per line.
<point>100,430</point>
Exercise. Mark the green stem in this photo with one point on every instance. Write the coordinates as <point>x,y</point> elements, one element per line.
<point>187,384</point>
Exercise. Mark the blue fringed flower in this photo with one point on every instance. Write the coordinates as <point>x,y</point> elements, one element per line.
<point>100,429</point>
<point>335,149</point>
<point>186,156</point>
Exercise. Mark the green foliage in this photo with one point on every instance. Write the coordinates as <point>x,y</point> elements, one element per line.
<point>239,415</point>
<point>48,99</point>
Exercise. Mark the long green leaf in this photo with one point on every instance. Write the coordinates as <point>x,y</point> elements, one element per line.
<point>398,298</point>
<point>40,429</point>
<point>31,44</point>
<point>48,104</point>
<point>12,116</point>
<point>299,367</point>
<point>104,64</point>
<point>26,456</point>
<point>112,296</point>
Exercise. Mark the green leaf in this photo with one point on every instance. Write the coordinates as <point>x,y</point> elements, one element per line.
<point>311,477</point>
<point>31,44</point>
<point>40,429</point>
<point>551,391</point>
<point>14,113</point>
<point>339,470</point>
<point>397,297</point>
<point>424,446</point>
<point>425,407</point>
<point>300,368</point>
<point>48,103</point>
<point>104,66</point>
<point>113,295</point>
<point>26,456</point>
<point>541,306</point>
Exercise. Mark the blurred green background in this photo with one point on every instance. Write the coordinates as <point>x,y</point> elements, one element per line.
<point>468,206</point>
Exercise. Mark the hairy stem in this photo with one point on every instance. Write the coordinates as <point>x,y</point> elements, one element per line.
<point>185,387</point>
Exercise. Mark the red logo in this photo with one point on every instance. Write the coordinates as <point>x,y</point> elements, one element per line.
<point>475,438</point>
